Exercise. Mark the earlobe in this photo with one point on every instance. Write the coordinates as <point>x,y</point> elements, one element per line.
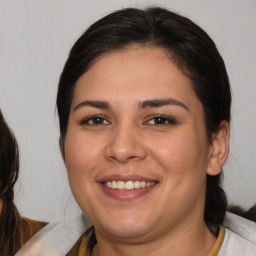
<point>219,149</point>
<point>62,150</point>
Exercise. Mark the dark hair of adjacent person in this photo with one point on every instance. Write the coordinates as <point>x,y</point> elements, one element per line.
<point>12,226</point>
<point>247,214</point>
<point>186,44</point>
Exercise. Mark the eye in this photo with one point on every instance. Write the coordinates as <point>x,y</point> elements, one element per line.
<point>95,120</point>
<point>161,120</point>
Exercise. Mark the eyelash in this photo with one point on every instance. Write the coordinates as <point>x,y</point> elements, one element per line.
<point>162,120</point>
<point>158,120</point>
<point>95,120</point>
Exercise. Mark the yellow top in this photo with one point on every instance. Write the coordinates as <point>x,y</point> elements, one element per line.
<point>27,229</point>
<point>216,247</point>
<point>85,244</point>
<point>31,227</point>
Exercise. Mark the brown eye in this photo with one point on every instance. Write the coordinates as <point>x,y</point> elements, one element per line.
<point>95,120</point>
<point>161,120</point>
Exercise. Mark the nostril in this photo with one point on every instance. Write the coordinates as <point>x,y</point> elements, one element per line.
<point>123,156</point>
<point>125,145</point>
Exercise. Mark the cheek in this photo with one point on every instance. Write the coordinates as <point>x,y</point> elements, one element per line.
<point>183,158</point>
<point>80,156</point>
<point>81,160</point>
<point>181,153</point>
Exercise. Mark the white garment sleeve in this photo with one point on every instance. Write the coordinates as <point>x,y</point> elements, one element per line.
<point>55,239</point>
<point>240,237</point>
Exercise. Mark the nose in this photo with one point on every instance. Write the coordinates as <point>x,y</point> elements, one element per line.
<point>125,144</point>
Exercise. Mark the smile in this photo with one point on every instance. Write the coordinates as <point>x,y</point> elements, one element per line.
<point>127,185</point>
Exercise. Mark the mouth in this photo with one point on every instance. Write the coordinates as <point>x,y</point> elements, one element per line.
<point>127,185</point>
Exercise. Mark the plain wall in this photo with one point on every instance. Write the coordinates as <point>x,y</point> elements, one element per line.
<point>35,39</point>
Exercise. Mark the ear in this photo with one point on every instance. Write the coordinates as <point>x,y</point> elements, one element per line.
<point>219,149</point>
<point>62,150</point>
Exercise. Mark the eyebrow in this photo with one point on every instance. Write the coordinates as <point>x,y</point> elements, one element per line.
<point>154,103</point>
<point>157,103</point>
<point>93,103</point>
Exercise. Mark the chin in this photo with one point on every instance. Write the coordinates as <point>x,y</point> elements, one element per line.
<point>128,232</point>
<point>127,228</point>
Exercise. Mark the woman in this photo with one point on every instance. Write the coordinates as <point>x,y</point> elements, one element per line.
<point>144,111</point>
<point>14,230</point>
<point>144,107</point>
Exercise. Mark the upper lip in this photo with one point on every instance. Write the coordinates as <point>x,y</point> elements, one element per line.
<point>129,177</point>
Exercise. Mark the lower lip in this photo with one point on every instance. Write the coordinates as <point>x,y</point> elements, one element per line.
<point>126,194</point>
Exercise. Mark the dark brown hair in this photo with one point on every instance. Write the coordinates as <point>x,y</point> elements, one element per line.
<point>11,224</point>
<point>188,46</point>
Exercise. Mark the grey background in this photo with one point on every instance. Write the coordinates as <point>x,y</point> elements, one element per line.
<point>35,38</point>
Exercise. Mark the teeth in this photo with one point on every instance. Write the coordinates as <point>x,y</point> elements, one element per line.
<point>143,184</point>
<point>128,185</point>
<point>120,185</point>
<point>137,184</point>
<point>149,184</point>
<point>114,184</point>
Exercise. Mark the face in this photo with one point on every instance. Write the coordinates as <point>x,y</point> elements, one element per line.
<point>136,149</point>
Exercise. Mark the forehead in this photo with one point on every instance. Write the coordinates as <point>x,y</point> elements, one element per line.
<point>126,77</point>
<point>133,66</point>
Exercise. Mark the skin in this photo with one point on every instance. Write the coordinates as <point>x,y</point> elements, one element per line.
<point>165,143</point>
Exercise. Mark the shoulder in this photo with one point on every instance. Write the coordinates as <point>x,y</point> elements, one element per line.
<point>32,226</point>
<point>54,239</point>
<point>240,236</point>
